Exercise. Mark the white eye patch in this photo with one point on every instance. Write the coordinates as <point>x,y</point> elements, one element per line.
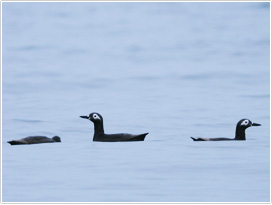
<point>245,123</point>
<point>96,117</point>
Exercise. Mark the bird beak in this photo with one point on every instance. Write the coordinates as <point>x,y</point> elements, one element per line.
<point>86,117</point>
<point>256,124</point>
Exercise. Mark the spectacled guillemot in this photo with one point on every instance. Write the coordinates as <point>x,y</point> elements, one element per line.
<point>99,134</point>
<point>35,140</point>
<point>240,131</point>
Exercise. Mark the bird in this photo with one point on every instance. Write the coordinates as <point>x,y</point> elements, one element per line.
<point>35,140</point>
<point>240,134</point>
<point>100,136</point>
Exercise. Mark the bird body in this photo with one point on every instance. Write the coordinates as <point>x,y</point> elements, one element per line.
<point>35,140</point>
<point>120,137</point>
<point>211,139</point>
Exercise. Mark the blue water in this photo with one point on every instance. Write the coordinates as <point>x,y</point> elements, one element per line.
<point>174,70</point>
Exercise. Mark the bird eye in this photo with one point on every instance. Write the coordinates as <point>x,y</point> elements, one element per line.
<point>95,116</point>
<point>245,122</point>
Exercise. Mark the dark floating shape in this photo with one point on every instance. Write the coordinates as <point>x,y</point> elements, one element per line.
<point>241,127</point>
<point>35,140</point>
<point>100,136</point>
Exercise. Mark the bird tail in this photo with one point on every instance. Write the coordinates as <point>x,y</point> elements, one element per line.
<point>194,138</point>
<point>12,142</point>
<point>142,136</point>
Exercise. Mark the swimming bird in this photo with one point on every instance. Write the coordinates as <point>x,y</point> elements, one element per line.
<point>240,134</point>
<point>35,140</point>
<point>99,134</point>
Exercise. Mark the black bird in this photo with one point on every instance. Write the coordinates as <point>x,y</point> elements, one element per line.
<point>240,131</point>
<point>35,140</point>
<point>99,134</point>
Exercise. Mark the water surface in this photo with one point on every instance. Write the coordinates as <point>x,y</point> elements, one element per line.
<point>174,70</point>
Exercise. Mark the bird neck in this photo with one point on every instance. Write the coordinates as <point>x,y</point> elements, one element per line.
<point>240,133</point>
<point>98,128</point>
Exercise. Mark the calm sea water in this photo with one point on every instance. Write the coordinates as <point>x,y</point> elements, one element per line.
<point>174,70</point>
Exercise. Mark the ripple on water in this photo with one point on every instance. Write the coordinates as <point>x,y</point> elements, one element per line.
<point>28,121</point>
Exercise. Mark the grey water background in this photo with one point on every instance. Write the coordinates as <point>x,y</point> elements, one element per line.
<point>174,70</point>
